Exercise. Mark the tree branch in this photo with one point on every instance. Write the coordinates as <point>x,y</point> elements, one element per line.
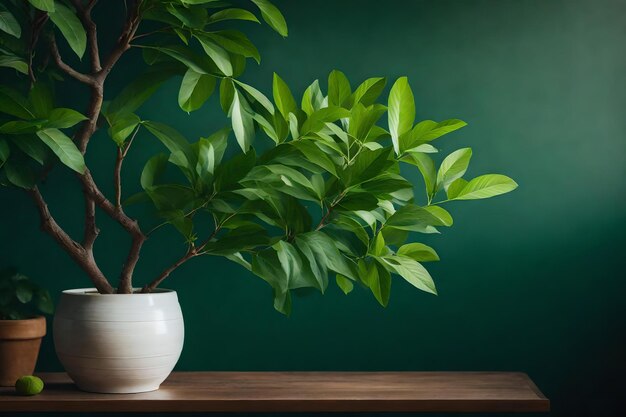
<point>83,258</point>
<point>84,14</point>
<point>166,273</point>
<point>191,252</point>
<point>123,42</point>
<point>83,78</point>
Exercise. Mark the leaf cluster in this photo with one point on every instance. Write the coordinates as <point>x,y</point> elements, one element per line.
<point>20,298</point>
<point>294,190</point>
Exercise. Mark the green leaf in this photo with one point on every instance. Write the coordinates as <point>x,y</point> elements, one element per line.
<point>418,252</point>
<point>315,155</point>
<point>31,146</point>
<point>344,284</point>
<point>258,96</point>
<point>19,174</point>
<point>486,186</point>
<point>62,118</point>
<point>426,167</point>
<point>453,167</point>
<point>5,151</point>
<point>8,23</point>
<point>71,28</point>
<point>44,301</point>
<point>13,103</point>
<point>283,98</point>
<point>232,14</point>
<point>194,90</point>
<point>187,57</point>
<point>455,188</point>
<point>318,247</point>
<point>232,171</point>
<point>45,5</point>
<point>401,111</point>
<point>317,120</point>
<point>142,88</point>
<point>173,141</point>
<point>339,89</point>
<point>378,280</point>
<point>416,219</point>
<point>41,99</point>
<point>312,98</point>
<point>12,61</point>
<point>227,94</point>
<point>412,271</point>
<point>428,130</point>
<point>272,16</point>
<point>123,126</point>
<point>193,17</point>
<point>235,42</point>
<point>63,148</point>
<point>217,54</point>
<point>242,121</point>
<point>24,291</point>
<point>368,91</point>
<point>152,170</point>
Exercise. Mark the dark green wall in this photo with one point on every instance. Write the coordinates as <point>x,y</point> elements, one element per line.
<point>528,282</point>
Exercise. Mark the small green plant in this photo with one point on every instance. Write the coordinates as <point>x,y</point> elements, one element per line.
<point>292,192</point>
<point>20,298</point>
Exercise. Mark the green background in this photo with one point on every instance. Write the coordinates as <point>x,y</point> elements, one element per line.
<point>531,281</point>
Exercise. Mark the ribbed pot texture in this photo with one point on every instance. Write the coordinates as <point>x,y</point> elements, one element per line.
<point>118,343</point>
<point>19,347</point>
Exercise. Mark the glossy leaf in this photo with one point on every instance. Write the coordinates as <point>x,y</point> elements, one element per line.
<point>339,89</point>
<point>13,103</point>
<point>412,271</point>
<point>401,111</point>
<point>486,186</point>
<point>418,252</point>
<point>232,14</point>
<point>258,96</point>
<point>72,30</point>
<point>453,167</point>
<point>122,127</point>
<point>32,146</point>
<point>283,98</point>
<point>344,284</point>
<point>242,121</point>
<point>45,5</point>
<point>235,42</point>
<point>19,174</point>
<point>8,23</point>
<point>62,118</point>
<point>64,148</point>
<point>12,61</point>
<point>217,54</point>
<point>5,151</point>
<point>195,89</point>
<point>272,16</point>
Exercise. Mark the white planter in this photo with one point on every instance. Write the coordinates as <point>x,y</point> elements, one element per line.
<point>118,343</point>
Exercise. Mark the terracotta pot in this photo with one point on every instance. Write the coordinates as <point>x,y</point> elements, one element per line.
<point>19,347</point>
<point>118,343</point>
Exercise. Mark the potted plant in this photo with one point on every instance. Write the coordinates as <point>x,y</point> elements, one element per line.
<point>323,190</point>
<point>21,325</point>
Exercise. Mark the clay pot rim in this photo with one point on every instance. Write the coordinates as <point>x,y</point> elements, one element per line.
<point>24,329</point>
<point>34,318</point>
<point>81,292</point>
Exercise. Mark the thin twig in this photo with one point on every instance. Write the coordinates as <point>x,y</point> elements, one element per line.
<point>83,78</point>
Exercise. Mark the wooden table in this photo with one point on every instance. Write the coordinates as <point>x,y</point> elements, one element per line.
<point>299,392</point>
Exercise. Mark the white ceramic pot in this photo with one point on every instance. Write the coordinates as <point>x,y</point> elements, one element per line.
<point>118,343</point>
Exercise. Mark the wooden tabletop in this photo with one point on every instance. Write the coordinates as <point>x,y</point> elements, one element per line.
<point>299,392</point>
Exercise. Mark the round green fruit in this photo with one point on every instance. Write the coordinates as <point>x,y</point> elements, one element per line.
<point>29,385</point>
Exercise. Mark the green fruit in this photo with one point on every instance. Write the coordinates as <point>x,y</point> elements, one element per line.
<point>28,385</point>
